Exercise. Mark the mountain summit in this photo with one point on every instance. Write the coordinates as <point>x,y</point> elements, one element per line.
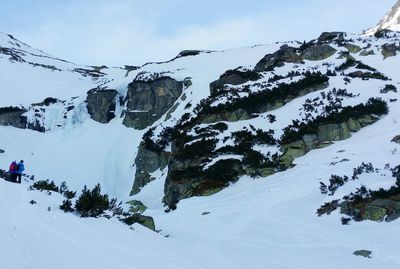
<point>391,21</point>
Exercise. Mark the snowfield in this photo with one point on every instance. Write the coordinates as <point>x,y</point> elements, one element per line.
<point>255,223</point>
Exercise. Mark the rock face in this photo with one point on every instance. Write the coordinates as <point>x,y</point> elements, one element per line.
<point>285,54</point>
<point>146,221</point>
<point>390,50</point>
<point>391,21</point>
<point>136,206</point>
<point>147,101</point>
<point>233,77</point>
<point>101,104</point>
<point>180,184</point>
<point>13,116</point>
<point>184,180</point>
<point>318,52</point>
<point>147,162</point>
<point>375,210</point>
<point>325,136</point>
<point>328,36</point>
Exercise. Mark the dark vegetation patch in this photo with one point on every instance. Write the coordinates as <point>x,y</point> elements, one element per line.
<point>295,131</point>
<point>335,182</point>
<point>91,203</point>
<point>157,144</point>
<point>389,88</point>
<point>334,100</point>
<point>10,109</point>
<point>364,203</point>
<point>368,75</point>
<point>255,101</point>
<point>383,34</point>
<point>351,62</point>
<point>45,185</point>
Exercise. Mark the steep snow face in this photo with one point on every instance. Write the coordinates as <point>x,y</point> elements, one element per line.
<point>32,75</point>
<point>391,21</point>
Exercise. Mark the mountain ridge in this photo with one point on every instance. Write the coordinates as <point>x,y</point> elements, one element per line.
<point>281,156</point>
<point>391,21</point>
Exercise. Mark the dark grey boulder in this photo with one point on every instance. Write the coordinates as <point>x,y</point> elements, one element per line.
<point>145,221</point>
<point>233,77</point>
<point>13,116</point>
<point>318,52</point>
<point>285,54</point>
<point>148,101</point>
<point>329,36</point>
<point>389,50</point>
<point>101,104</point>
<point>363,253</point>
<point>147,162</point>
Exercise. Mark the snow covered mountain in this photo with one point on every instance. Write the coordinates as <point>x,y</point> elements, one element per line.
<point>391,21</point>
<point>245,158</point>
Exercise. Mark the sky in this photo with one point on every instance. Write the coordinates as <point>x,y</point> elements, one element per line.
<point>132,32</point>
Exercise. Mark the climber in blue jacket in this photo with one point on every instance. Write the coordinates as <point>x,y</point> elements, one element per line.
<point>19,169</point>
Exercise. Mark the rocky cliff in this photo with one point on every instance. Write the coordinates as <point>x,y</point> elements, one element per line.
<point>148,100</point>
<point>207,153</point>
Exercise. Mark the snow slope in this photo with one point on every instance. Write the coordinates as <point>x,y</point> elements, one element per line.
<point>391,21</point>
<point>264,223</point>
<point>267,223</point>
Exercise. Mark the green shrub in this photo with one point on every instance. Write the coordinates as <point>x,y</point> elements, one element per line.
<point>199,148</point>
<point>298,129</point>
<point>66,206</point>
<point>67,193</point>
<point>45,185</point>
<point>91,203</point>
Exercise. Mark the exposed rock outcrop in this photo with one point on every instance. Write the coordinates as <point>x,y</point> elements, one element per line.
<point>324,137</point>
<point>375,210</point>
<point>184,180</point>
<point>242,114</point>
<point>363,253</point>
<point>285,54</point>
<point>396,139</point>
<point>187,178</point>
<point>13,116</point>
<point>352,48</point>
<point>136,206</point>
<point>389,50</point>
<point>147,101</point>
<point>318,52</point>
<point>101,104</point>
<point>233,77</point>
<point>146,221</point>
<point>147,162</point>
<point>329,36</point>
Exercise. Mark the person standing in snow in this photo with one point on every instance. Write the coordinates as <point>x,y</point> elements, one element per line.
<point>13,171</point>
<point>19,169</point>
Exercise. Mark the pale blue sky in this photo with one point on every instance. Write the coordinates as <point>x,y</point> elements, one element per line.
<point>132,32</point>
